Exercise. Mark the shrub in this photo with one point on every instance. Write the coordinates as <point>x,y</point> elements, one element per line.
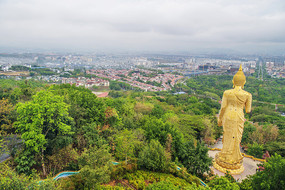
<point>223,183</point>
<point>255,150</point>
<point>162,185</point>
<point>10,180</point>
<point>272,177</point>
<point>122,169</point>
<point>195,158</point>
<point>246,184</point>
<point>153,157</point>
<point>96,166</point>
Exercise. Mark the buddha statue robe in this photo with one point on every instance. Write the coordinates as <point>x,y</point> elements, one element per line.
<point>231,117</point>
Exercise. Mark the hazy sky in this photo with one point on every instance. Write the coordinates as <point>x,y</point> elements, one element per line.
<point>144,25</point>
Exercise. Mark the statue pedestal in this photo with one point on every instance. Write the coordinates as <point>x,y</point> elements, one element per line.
<point>249,166</point>
<point>231,171</point>
<point>225,163</point>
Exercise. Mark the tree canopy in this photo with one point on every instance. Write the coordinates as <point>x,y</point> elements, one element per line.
<point>40,120</point>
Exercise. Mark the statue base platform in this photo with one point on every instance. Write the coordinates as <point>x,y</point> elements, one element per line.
<point>231,171</point>
<point>250,164</point>
<point>223,163</point>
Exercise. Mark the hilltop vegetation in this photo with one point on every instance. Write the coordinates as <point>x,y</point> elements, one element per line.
<point>63,127</point>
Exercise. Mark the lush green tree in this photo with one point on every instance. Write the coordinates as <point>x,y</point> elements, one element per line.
<point>62,159</point>
<point>275,147</point>
<point>45,71</point>
<point>162,185</point>
<point>166,182</point>
<point>153,157</point>
<point>212,95</point>
<point>264,133</point>
<point>2,145</point>
<point>39,121</point>
<point>92,136</point>
<point>124,106</point>
<point>264,109</point>
<point>24,90</point>
<point>116,94</point>
<point>192,99</point>
<point>221,183</point>
<point>263,90</point>
<point>272,177</point>
<point>115,85</point>
<point>195,158</point>
<point>200,108</point>
<point>247,131</point>
<point>268,117</point>
<point>156,129</point>
<point>47,184</point>
<point>192,125</point>
<point>5,117</point>
<point>10,180</point>
<point>85,107</point>
<point>255,150</point>
<point>128,144</point>
<point>96,166</point>
<point>182,98</point>
<point>157,111</point>
<point>19,68</point>
<point>159,130</point>
<point>171,100</point>
<point>246,184</point>
<point>143,108</point>
<point>25,161</point>
<point>212,131</point>
<point>112,118</point>
<point>195,187</point>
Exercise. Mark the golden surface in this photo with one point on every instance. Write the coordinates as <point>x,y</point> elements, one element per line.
<point>231,117</point>
<point>231,171</point>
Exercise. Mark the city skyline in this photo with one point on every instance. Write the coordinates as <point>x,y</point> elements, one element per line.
<point>150,26</point>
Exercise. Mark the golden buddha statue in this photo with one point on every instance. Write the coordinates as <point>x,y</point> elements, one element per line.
<point>231,117</point>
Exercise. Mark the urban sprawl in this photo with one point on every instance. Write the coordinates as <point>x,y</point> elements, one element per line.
<point>147,72</point>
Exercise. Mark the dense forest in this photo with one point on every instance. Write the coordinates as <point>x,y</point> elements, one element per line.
<point>52,128</point>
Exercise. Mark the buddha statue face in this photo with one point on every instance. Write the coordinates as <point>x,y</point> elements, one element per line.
<point>239,78</point>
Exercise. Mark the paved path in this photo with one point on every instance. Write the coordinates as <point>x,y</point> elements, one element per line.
<point>249,164</point>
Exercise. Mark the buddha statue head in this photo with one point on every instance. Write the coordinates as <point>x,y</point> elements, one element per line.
<point>239,78</point>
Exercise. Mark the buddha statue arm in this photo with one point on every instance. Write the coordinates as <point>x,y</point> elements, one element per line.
<point>222,110</point>
<point>248,104</point>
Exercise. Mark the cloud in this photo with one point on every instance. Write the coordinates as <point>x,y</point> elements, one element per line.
<point>143,24</point>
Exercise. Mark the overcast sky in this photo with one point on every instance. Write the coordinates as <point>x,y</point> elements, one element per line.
<point>144,25</point>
